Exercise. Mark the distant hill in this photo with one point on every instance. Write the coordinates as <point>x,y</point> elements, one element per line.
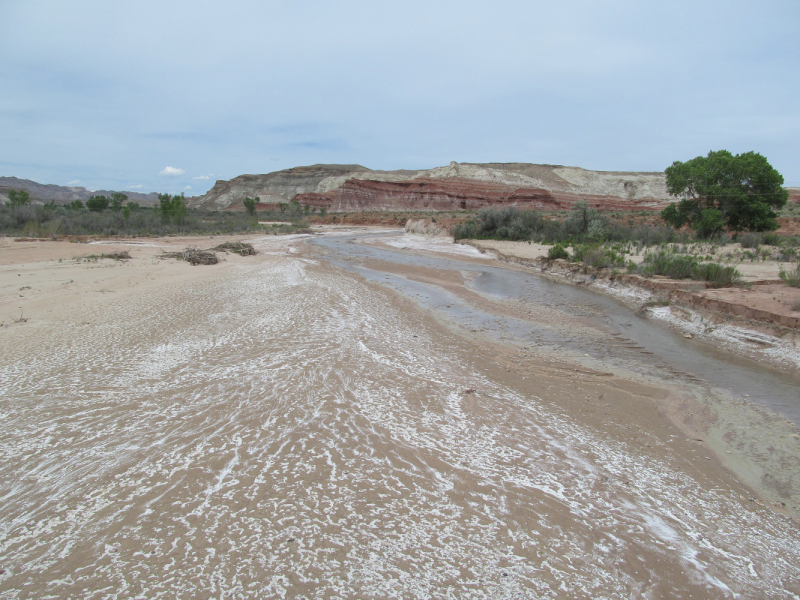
<point>44,193</point>
<point>452,187</point>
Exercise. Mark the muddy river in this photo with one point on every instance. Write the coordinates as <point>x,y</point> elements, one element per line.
<point>635,341</point>
<point>351,417</point>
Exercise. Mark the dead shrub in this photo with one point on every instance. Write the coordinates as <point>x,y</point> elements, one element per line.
<point>194,256</point>
<point>240,248</point>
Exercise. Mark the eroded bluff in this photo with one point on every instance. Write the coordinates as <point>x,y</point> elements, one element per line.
<point>454,187</point>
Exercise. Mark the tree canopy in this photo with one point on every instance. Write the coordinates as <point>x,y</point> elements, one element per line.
<point>250,205</point>
<point>720,190</point>
<point>97,203</point>
<point>172,207</point>
<point>117,200</point>
<point>18,197</point>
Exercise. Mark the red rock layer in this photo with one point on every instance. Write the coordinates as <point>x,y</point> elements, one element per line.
<point>455,194</point>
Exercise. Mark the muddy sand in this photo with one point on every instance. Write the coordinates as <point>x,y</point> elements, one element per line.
<point>276,426</point>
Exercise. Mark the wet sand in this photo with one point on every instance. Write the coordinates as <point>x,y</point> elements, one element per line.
<point>273,426</point>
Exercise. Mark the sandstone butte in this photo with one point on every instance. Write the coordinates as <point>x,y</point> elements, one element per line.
<point>453,187</point>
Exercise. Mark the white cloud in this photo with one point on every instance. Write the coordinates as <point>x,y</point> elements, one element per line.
<point>201,177</point>
<point>135,187</point>
<point>172,172</point>
<point>74,182</point>
<point>188,187</point>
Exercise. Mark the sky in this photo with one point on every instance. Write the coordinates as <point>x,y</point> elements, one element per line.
<point>170,96</point>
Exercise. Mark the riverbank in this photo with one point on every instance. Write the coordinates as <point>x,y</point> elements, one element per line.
<point>755,321</point>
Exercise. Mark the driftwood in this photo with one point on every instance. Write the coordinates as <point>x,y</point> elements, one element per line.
<point>240,248</point>
<point>195,256</point>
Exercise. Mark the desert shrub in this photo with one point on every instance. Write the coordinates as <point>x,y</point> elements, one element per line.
<point>677,266</point>
<point>750,240</point>
<point>119,255</point>
<point>786,255</point>
<point>791,241</point>
<point>721,239</point>
<point>715,274</point>
<point>791,278</point>
<point>581,218</point>
<point>597,256</point>
<point>508,223</point>
<point>468,230</point>
<point>556,252</point>
<point>667,264</point>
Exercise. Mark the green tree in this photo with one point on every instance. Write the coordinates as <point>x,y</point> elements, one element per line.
<point>172,208</point>
<point>76,205</point>
<point>744,189</point>
<point>97,203</point>
<point>18,197</point>
<point>250,205</point>
<point>583,219</point>
<point>117,200</point>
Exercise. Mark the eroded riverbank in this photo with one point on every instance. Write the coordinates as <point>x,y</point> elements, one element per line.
<point>276,427</point>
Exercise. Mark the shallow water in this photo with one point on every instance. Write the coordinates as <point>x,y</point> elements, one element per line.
<point>640,342</point>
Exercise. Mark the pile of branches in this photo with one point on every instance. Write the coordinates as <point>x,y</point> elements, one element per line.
<point>195,256</point>
<point>240,248</point>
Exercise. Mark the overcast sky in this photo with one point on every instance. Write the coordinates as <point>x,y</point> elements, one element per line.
<point>172,95</point>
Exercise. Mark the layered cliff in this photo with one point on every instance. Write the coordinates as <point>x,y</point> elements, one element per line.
<point>453,187</point>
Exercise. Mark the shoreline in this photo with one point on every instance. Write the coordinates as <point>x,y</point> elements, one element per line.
<point>751,439</point>
<point>774,339</point>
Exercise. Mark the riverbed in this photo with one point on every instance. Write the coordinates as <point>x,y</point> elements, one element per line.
<point>344,417</point>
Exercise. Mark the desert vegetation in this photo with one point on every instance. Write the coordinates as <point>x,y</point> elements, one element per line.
<point>582,225</point>
<point>607,241</point>
<point>792,277</point>
<point>102,216</point>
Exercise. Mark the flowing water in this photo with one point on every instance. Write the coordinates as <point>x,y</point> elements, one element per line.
<point>639,341</point>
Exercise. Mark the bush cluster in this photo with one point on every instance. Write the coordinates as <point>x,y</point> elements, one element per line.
<point>680,266</point>
<point>791,278</point>
<point>598,256</point>
<point>583,225</point>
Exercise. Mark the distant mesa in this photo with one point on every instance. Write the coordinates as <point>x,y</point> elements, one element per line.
<point>452,187</point>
